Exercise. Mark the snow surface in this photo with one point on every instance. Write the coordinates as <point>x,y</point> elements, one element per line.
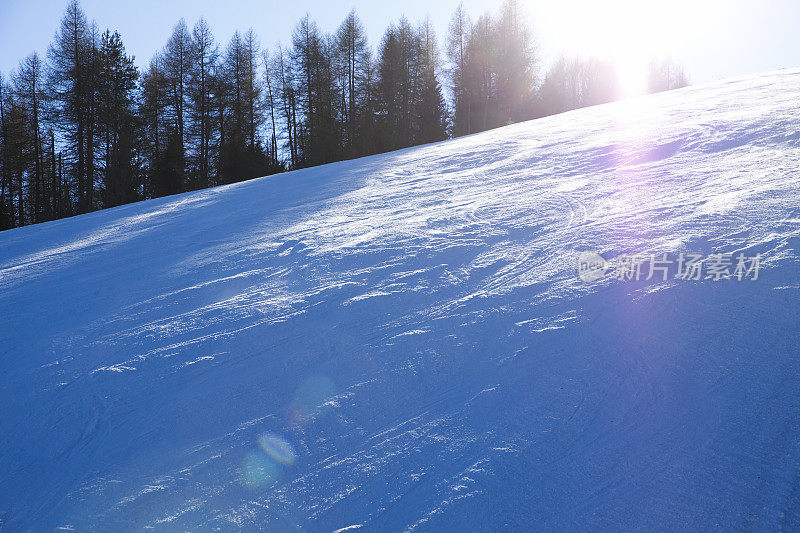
<point>401,341</point>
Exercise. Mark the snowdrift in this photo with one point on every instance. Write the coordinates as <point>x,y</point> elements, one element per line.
<point>402,342</point>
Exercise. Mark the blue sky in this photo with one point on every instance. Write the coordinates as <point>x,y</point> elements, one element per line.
<point>712,38</point>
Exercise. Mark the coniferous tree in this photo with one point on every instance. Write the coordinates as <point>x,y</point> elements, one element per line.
<point>493,70</point>
<point>118,123</point>
<point>5,177</point>
<point>93,97</point>
<point>301,70</point>
<point>232,82</point>
<point>234,76</point>
<point>69,72</point>
<point>412,108</point>
<point>514,66</point>
<point>153,123</point>
<point>176,64</point>
<point>480,76</point>
<point>30,94</point>
<point>286,99</point>
<point>61,205</point>
<point>204,55</point>
<point>94,139</point>
<point>602,82</point>
<point>352,66</point>
<point>557,93</point>
<point>168,175</point>
<point>14,158</point>
<point>162,105</point>
<point>664,75</point>
<point>577,82</point>
<point>241,153</point>
<point>317,137</point>
<point>252,90</point>
<point>369,126</point>
<point>457,47</point>
<point>399,84</point>
<point>271,108</point>
<point>220,119</point>
<point>432,109</point>
<point>325,140</point>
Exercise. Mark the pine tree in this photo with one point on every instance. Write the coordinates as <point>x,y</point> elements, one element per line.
<point>117,82</point>
<point>153,122</point>
<point>369,126</point>
<point>252,90</point>
<point>241,154</point>
<point>220,119</point>
<point>176,64</point>
<point>400,82</point>
<point>602,82</point>
<point>5,178</point>
<point>168,175</point>
<point>480,79</point>
<point>61,205</point>
<point>432,108</point>
<point>85,136</point>
<point>234,77</point>
<point>69,72</point>
<point>352,65</point>
<point>577,82</point>
<point>271,104</point>
<point>204,56</point>
<point>316,139</point>
<point>163,145</point>
<point>29,91</point>
<point>91,103</point>
<point>493,70</point>
<point>664,75</point>
<point>554,94</point>
<point>232,84</point>
<point>14,158</point>
<point>457,42</point>
<point>286,100</point>
<point>515,65</point>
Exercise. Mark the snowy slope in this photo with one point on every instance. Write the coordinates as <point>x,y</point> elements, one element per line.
<point>401,342</point>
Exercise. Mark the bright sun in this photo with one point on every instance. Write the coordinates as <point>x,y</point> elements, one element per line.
<point>630,33</point>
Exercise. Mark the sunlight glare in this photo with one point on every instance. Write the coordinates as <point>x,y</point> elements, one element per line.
<point>629,33</point>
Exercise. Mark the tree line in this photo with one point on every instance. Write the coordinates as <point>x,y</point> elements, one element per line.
<point>84,129</point>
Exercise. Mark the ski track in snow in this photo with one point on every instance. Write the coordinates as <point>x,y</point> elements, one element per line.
<point>413,326</point>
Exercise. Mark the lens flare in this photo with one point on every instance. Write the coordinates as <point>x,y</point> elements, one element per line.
<point>277,448</point>
<point>627,33</point>
<point>259,470</point>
